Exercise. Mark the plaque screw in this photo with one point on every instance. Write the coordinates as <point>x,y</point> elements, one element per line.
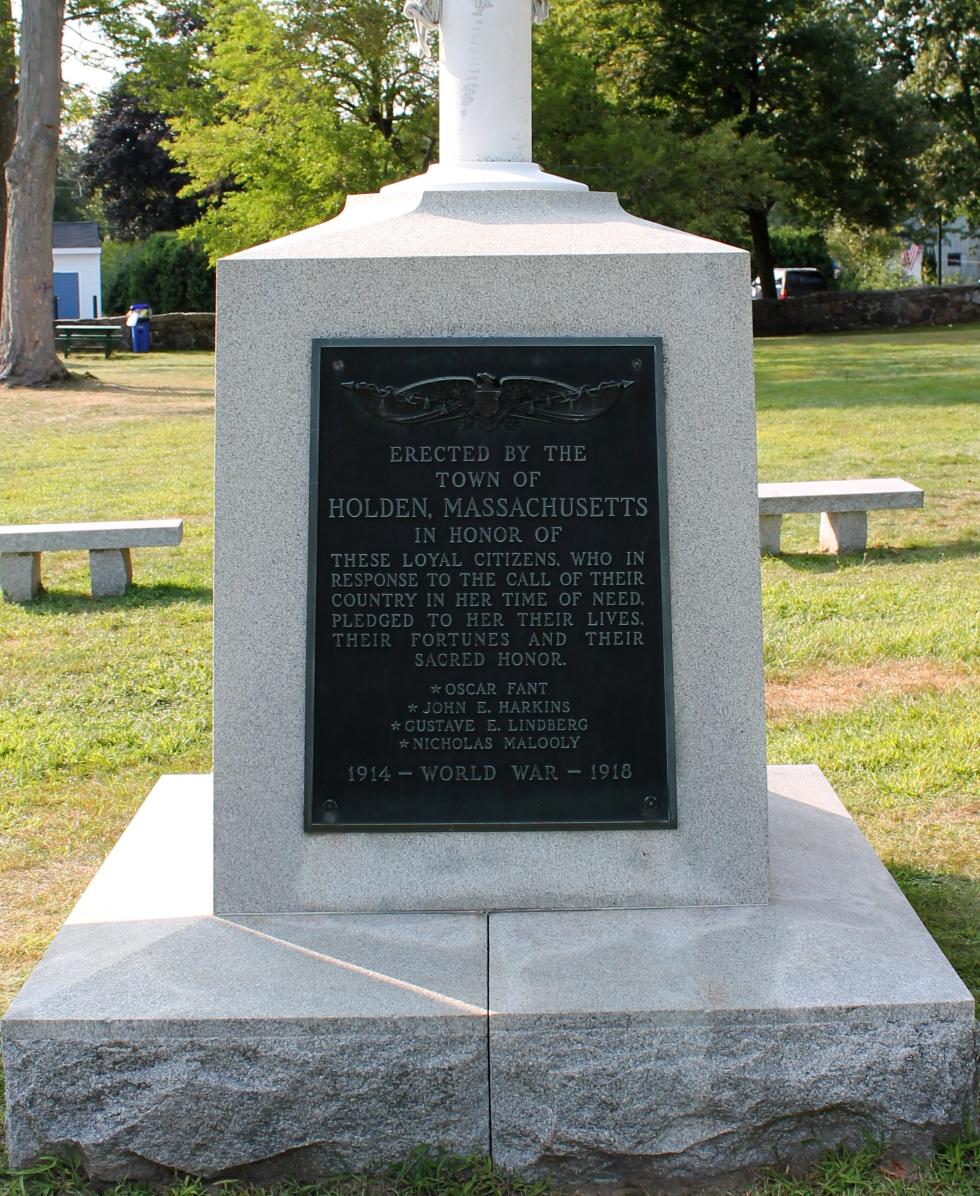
<point>637,363</point>
<point>338,365</point>
<point>330,810</point>
<point>649,807</point>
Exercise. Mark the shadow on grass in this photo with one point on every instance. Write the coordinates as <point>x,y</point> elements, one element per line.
<point>860,396</point>
<point>59,602</point>
<point>143,391</point>
<point>949,905</point>
<point>825,562</point>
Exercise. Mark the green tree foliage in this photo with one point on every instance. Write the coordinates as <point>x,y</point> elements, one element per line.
<point>170,272</point>
<point>128,164</point>
<point>291,113</point>
<point>936,46</point>
<point>802,247</point>
<point>360,48</point>
<point>693,181</point>
<point>803,77</point>
<point>167,51</point>
<point>704,114</point>
<point>72,200</point>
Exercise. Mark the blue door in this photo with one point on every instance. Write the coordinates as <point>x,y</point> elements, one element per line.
<point>66,297</point>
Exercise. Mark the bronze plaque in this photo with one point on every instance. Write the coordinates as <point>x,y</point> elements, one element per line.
<point>489,638</point>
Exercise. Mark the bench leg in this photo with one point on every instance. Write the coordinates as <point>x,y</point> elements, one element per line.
<point>111,570</point>
<point>20,575</point>
<point>844,531</point>
<point>770,527</point>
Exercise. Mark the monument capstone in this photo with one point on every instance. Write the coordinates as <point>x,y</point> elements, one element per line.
<point>489,859</point>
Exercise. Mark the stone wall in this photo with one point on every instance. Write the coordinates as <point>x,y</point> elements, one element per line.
<point>172,330</point>
<point>183,330</point>
<point>833,311</point>
<point>839,311</point>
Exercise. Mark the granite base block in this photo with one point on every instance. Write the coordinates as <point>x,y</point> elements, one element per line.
<point>670,1047</point>
<point>296,1100</point>
<point>154,1036</point>
<point>605,1047</point>
<point>652,1102</point>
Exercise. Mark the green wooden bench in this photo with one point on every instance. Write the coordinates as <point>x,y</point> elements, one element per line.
<point>75,336</point>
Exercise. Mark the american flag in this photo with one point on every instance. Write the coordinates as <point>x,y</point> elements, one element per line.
<point>911,257</point>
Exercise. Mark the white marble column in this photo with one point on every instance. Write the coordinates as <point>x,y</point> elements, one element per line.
<point>484,98</point>
<point>485,81</point>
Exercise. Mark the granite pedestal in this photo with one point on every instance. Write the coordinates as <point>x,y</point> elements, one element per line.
<point>615,1047</point>
<point>538,264</point>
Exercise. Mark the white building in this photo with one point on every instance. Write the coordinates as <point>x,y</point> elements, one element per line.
<point>77,270</point>
<point>960,251</point>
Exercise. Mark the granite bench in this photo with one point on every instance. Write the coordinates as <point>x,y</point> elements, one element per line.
<point>843,508</point>
<point>108,545</point>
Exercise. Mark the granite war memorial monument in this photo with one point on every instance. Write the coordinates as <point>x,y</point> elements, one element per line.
<point>490,859</point>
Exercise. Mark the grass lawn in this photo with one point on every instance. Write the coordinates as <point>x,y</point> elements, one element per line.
<point>871,662</point>
<point>99,698</point>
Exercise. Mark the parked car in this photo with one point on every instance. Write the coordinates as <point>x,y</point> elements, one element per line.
<point>793,281</point>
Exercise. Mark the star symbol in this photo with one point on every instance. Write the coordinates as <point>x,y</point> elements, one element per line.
<point>437,689</point>
<point>412,708</point>
<point>403,743</point>
<point>396,726</point>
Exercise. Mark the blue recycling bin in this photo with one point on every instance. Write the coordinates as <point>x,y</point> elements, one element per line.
<point>138,323</point>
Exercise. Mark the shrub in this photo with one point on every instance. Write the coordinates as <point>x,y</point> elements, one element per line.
<point>871,259</point>
<point>168,271</point>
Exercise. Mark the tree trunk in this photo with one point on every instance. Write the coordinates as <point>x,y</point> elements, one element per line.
<point>27,355</point>
<point>759,226</point>
<point>8,111</point>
